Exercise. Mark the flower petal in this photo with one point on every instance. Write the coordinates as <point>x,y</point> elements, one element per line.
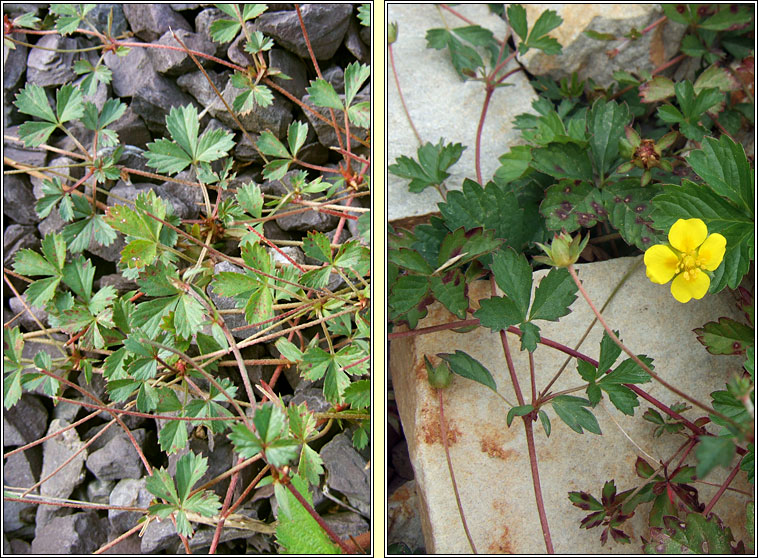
<point>687,234</point>
<point>685,289</point>
<point>711,253</point>
<point>661,263</point>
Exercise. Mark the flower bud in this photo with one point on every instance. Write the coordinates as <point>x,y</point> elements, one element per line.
<point>439,376</point>
<point>391,32</point>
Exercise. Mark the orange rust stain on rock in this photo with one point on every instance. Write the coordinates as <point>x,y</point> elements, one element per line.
<point>430,427</point>
<point>502,544</point>
<point>493,447</point>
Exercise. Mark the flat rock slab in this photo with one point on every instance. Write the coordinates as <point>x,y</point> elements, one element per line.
<point>443,106</point>
<point>490,459</point>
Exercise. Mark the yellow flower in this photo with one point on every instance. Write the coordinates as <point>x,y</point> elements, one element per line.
<point>691,251</point>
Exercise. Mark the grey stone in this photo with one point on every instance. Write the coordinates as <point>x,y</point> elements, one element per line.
<point>404,517</point>
<point>98,491</point>
<point>154,101</point>
<point>131,72</point>
<point>493,459</point>
<point>98,15</point>
<point>314,153</point>
<point>110,253</point>
<point>131,130</point>
<point>20,546</point>
<point>185,7</point>
<point>117,281</point>
<point>293,252</point>
<point>292,66</point>
<point>150,21</point>
<point>303,221</point>
<point>98,98</point>
<point>348,474</point>
<point>159,535</point>
<point>401,461</point>
<point>354,43</point>
<point>14,64</point>
<point>325,130</point>
<point>203,22</point>
<point>443,106</point>
<point>245,151</point>
<point>116,460</point>
<point>276,117</point>
<point>196,84</point>
<point>16,151</point>
<point>313,397</point>
<point>174,62</point>
<point>336,76</point>
<point>25,319</point>
<point>53,67</point>
<point>326,25</point>
<point>128,493</point>
<point>19,471</point>
<point>18,199</point>
<point>132,191</point>
<point>346,524</point>
<point>52,223</point>
<point>588,56</point>
<point>56,451</point>
<point>365,34</point>
<point>18,237</point>
<point>80,533</point>
<point>190,196</point>
<point>236,51</point>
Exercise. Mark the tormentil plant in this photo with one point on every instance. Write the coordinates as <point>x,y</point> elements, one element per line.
<point>161,348</point>
<point>651,165</point>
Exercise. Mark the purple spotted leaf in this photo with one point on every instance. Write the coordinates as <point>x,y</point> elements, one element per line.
<point>629,206</point>
<point>571,204</point>
<point>725,337</point>
<point>695,535</point>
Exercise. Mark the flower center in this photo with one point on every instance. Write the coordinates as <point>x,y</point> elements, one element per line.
<point>690,265</point>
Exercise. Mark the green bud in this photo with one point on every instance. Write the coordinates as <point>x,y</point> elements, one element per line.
<point>391,32</point>
<point>564,251</point>
<point>439,376</point>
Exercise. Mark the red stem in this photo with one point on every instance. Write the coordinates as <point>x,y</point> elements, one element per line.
<point>722,489</point>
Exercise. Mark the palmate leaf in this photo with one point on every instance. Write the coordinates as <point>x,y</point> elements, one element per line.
<point>573,411</point>
<point>725,337</point>
<point>465,59</point>
<point>32,100</point>
<point>182,123</point>
<point>570,205</point>
<point>693,535</point>
<point>360,114</point>
<point>605,124</point>
<point>433,162</point>
<point>355,75</point>
<point>513,275</point>
<point>463,364</point>
<point>69,105</point>
<point>323,94</point>
<point>554,296</point>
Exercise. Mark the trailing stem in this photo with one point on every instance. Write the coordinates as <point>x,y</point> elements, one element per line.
<point>443,436</point>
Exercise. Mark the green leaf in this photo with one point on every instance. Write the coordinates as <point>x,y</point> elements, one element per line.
<point>465,59</point>
<point>69,103</point>
<point>411,260</point>
<point>166,156</point>
<point>224,30</point>
<point>548,20</point>
<point>35,133</point>
<point>498,313</point>
<point>563,160</point>
<point>32,100</point>
<point>695,535</point>
<point>724,167</point>
<point>468,367</point>
<point>360,114</point>
<point>725,18</point>
<point>323,94</point>
<point>554,295</point>
<point>189,316</point>
<point>407,292</point>
<point>629,372</point>
<point>572,411</point>
<point>494,207</point>
<point>358,394</point>
<point>605,124</point>
<point>430,170</point>
<point>629,208</point>
<point>296,530</point>
<point>173,437</point>
<point>296,136</point>
<point>609,352</point>
<point>270,145</point>
<point>725,337</point>
<point>79,275</point>
<point>250,198</point>
<point>355,75</point>
<point>513,275</point>
<point>517,20</point>
<point>364,14</point>
<point>530,336</point>
<point>316,245</point>
<point>451,292</point>
<point>545,420</point>
<point>513,164</point>
<point>518,411</point>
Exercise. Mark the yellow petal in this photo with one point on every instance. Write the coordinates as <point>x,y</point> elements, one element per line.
<point>687,234</point>
<point>685,289</point>
<point>712,251</point>
<point>661,263</point>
